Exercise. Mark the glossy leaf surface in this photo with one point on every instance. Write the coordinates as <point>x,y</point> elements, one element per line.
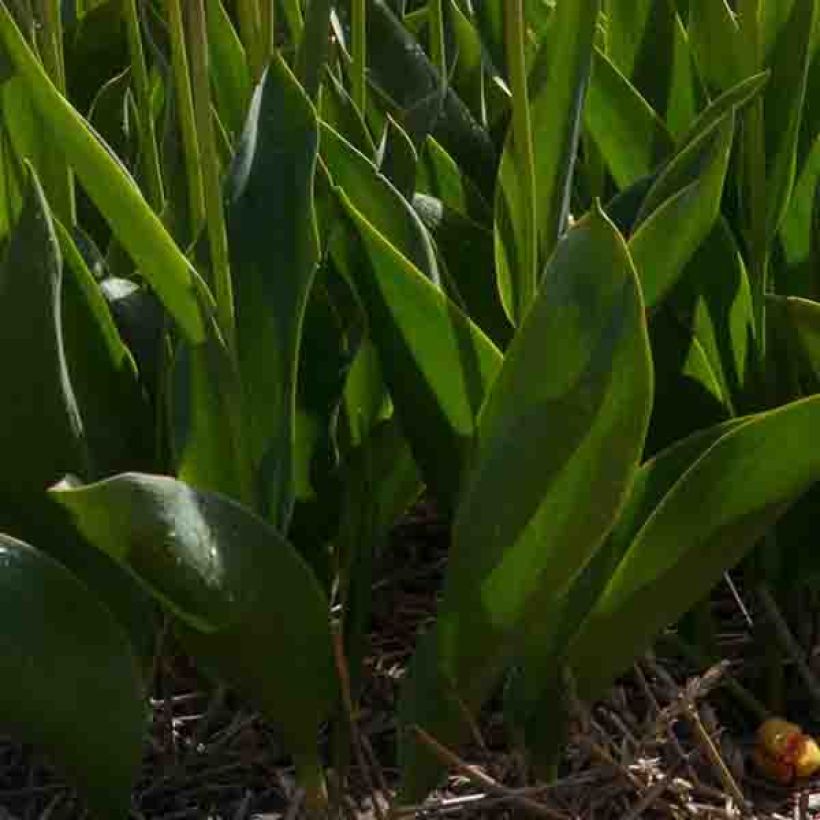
<point>251,605</point>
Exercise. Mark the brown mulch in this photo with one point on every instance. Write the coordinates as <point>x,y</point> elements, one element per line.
<point>670,741</point>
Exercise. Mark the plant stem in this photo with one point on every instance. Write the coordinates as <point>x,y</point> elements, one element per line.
<point>359,54</point>
<point>142,88</point>
<point>212,189</point>
<point>187,119</point>
<point>522,141</point>
<point>267,29</point>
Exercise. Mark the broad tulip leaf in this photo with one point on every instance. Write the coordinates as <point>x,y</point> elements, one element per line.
<point>680,209</point>
<point>41,431</point>
<point>533,695</point>
<point>559,439</point>
<point>274,257</point>
<point>556,106</point>
<point>437,364</point>
<point>378,200</point>
<point>709,518</point>
<point>627,131</point>
<point>113,191</point>
<point>251,605</point>
<point>64,662</point>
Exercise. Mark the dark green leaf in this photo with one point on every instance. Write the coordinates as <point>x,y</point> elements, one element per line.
<point>64,663</point>
<point>629,134</point>
<point>680,209</point>
<point>378,200</point>
<point>436,362</point>
<point>41,432</point>
<point>274,255</point>
<point>709,518</point>
<point>401,70</point>
<point>229,68</point>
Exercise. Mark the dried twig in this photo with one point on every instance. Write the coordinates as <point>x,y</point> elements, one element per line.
<point>482,779</point>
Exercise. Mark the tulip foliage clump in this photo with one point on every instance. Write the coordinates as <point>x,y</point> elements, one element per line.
<point>272,269</point>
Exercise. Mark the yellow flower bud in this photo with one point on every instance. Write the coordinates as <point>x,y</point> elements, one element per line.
<point>783,752</point>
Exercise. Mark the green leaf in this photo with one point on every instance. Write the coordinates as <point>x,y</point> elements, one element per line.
<point>205,446</point>
<point>397,158</point>
<point>379,481</point>
<point>436,362</point>
<point>274,255</point>
<point>401,71</point>
<point>439,176</point>
<point>28,137</point>
<point>251,604</point>
<point>629,134</point>
<point>783,106</point>
<point>648,44</point>
<point>338,110</point>
<point>378,200</point>
<point>689,394</point>
<point>794,323</point>
<point>719,311</point>
<point>680,209</point>
<point>467,252</point>
<point>556,105</point>
<point>113,191</point>
<point>716,44</point>
<point>41,432</point>
<point>797,226</point>
<point>468,68</point>
<point>64,662</point>
<point>559,440</point>
<point>709,518</point>
<point>229,68</point>
<point>116,418</point>
<point>734,98</point>
<point>534,692</point>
